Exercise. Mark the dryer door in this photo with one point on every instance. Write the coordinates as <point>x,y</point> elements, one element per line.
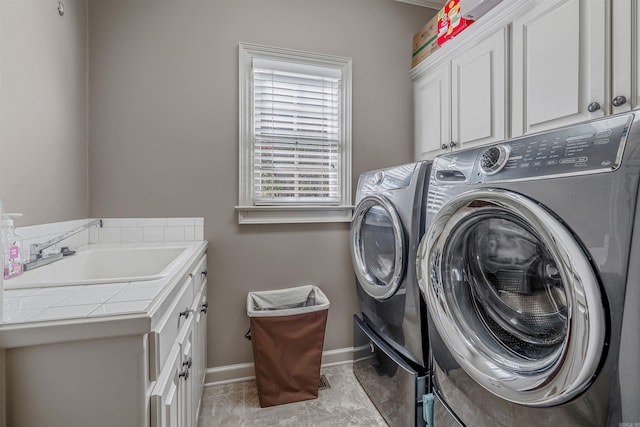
<point>513,296</point>
<point>377,246</point>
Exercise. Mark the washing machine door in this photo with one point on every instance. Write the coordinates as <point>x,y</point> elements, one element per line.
<point>377,246</point>
<point>513,296</point>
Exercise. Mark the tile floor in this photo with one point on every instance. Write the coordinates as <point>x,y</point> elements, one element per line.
<point>344,404</point>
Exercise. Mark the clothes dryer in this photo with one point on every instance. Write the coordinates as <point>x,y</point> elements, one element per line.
<point>530,273</point>
<point>391,357</point>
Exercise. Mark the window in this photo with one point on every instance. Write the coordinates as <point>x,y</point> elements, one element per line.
<point>295,136</point>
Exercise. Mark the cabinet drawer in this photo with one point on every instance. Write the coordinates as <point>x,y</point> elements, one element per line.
<point>164,336</point>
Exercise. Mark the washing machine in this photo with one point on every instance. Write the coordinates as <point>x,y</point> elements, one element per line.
<point>531,276</point>
<point>391,347</point>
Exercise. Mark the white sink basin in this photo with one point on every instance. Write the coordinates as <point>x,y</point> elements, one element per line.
<point>95,266</point>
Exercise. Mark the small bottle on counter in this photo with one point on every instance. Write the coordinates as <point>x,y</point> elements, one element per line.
<point>1,282</point>
<point>11,247</point>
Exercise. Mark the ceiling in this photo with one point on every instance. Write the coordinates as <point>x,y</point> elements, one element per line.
<point>432,4</point>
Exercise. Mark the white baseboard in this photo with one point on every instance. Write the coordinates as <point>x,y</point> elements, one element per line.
<point>245,372</point>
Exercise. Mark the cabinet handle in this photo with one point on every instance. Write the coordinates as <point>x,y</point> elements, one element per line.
<point>184,374</point>
<point>188,363</point>
<point>185,313</point>
<point>190,275</point>
<point>594,106</point>
<point>203,275</point>
<point>452,144</point>
<point>205,307</point>
<point>619,100</point>
<point>444,146</point>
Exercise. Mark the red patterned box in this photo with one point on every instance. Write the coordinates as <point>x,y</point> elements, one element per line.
<point>450,21</point>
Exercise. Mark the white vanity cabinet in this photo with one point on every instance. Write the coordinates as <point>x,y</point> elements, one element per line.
<point>175,399</point>
<point>461,100</point>
<point>127,370</point>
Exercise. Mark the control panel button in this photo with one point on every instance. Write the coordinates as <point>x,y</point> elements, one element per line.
<point>567,161</point>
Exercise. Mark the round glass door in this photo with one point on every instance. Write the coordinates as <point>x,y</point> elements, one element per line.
<point>513,296</point>
<point>377,247</point>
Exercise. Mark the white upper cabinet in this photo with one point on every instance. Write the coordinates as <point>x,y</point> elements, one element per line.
<point>525,67</point>
<point>461,102</point>
<point>432,112</point>
<point>479,93</point>
<point>625,54</point>
<point>559,65</point>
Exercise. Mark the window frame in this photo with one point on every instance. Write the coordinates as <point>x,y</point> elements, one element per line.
<point>248,211</point>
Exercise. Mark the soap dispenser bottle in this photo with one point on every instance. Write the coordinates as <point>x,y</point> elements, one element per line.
<point>1,279</point>
<point>11,247</point>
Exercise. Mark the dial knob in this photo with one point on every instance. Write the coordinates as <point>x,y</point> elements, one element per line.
<point>493,159</point>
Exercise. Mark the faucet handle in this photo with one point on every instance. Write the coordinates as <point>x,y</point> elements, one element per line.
<point>65,251</point>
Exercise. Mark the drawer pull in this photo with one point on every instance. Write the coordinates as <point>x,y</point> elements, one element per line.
<point>188,363</point>
<point>184,374</point>
<point>203,274</point>
<point>205,307</point>
<point>185,313</point>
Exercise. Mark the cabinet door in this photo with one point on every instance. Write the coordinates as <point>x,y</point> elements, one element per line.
<point>165,397</point>
<point>559,65</point>
<point>199,349</point>
<point>479,92</point>
<point>432,109</point>
<point>625,56</point>
<point>186,341</point>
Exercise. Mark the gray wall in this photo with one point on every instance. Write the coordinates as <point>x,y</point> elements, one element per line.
<point>164,134</point>
<point>163,128</point>
<point>44,110</point>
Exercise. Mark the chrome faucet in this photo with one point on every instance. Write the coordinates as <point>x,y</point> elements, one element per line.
<point>37,258</point>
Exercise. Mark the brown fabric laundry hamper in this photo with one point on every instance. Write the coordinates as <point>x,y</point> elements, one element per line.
<point>287,336</point>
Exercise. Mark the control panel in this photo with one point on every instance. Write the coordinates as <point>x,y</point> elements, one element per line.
<point>579,149</point>
<point>393,178</point>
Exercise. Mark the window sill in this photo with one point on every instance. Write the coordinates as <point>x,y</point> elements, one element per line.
<point>293,214</point>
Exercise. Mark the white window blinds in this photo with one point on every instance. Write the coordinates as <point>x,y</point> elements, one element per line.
<point>297,137</point>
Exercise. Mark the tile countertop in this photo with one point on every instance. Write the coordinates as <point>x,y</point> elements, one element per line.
<point>53,314</point>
